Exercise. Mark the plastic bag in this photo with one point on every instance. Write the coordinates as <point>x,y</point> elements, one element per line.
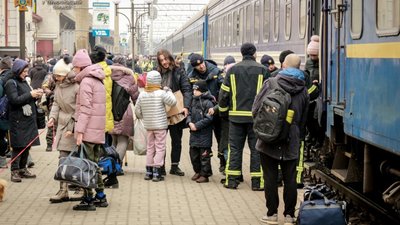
<point>140,138</point>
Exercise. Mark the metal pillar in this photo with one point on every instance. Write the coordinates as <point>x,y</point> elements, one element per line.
<point>116,31</point>
<point>133,28</point>
<point>22,35</point>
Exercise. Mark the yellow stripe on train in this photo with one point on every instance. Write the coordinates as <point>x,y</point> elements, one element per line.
<point>390,50</point>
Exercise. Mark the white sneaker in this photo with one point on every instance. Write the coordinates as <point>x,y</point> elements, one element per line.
<point>289,220</point>
<point>270,219</point>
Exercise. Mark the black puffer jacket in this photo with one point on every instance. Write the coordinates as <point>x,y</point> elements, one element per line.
<point>288,150</point>
<point>198,115</point>
<point>212,76</point>
<point>37,75</point>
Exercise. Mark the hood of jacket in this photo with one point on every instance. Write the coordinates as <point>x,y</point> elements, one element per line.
<point>119,71</point>
<point>290,84</point>
<point>293,72</point>
<point>94,70</point>
<point>69,79</point>
<point>18,66</point>
<point>205,95</point>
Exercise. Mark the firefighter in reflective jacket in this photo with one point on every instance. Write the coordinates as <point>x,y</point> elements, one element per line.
<point>241,84</point>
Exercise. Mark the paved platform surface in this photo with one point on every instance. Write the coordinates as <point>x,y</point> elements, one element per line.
<point>175,201</point>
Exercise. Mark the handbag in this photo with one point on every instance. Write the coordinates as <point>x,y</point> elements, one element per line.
<point>77,170</point>
<point>140,138</point>
<point>316,212</point>
<point>174,113</point>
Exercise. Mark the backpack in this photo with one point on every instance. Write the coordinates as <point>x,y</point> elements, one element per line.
<point>120,100</point>
<point>270,122</point>
<point>4,102</point>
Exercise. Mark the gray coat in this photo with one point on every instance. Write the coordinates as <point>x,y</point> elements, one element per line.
<point>63,112</point>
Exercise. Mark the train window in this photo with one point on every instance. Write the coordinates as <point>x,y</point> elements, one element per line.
<point>240,27</point>
<point>229,31</point>
<point>248,23</point>
<point>235,28</point>
<point>288,19</point>
<point>224,25</point>
<point>388,17</point>
<point>302,18</point>
<point>276,19</point>
<point>356,19</point>
<point>256,21</point>
<point>267,10</point>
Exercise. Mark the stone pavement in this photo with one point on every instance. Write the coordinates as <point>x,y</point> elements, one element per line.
<point>175,201</point>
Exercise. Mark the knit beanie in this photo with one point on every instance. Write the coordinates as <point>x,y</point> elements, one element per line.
<point>81,59</point>
<point>248,49</point>
<point>201,86</point>
<point>229,60</point>
<point>267,60</point>
<point>196,60</point>
<point>6,63</point>
<point>153,77</point>
<point>62,67</point>
<point>19,66</point>
<point>313,46</point>
<point>292,61</point>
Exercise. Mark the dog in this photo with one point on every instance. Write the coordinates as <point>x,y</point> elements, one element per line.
<point>3,184</point>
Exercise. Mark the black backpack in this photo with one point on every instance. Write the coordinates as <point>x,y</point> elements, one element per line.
<point>270,123</point>
<point>120,101</point>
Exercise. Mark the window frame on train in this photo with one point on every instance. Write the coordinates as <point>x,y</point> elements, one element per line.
<point>357,19</point>
<point>266,20</point>
<point>241,19</point>
<point>395,28</point>
<point>302,19</point>
<point>229,19</point>
<point>235,20</point>
<point>257,15</point>
<point>288,19</point>
<point>249,17</point>
<point>276,19</point>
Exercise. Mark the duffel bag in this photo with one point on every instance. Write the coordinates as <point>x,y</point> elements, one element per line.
<point>77,170</point>
<point>321,211</point>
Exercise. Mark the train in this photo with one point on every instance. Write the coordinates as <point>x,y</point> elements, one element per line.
<point>359,74</point>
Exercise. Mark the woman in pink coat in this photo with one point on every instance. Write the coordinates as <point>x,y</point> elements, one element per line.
<point>90,121</point>
<point>124,128</point>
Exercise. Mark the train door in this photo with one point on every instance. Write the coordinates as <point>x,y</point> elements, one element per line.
<point>337,48</point>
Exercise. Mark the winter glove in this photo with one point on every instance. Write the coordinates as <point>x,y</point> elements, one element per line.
<point>27,110</point>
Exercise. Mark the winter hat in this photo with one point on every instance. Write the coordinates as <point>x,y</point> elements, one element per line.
<point>201,86</point>
<point>53,61</point>
<point>229,60</point>
<point>248,49</point>
<point>19,66</point>
<point>98,54</point>
<point>313,46</point>
<point>81,59</point>
<point>283,55</point>
<point>267,60</point>
<point>62,67</point>
<point>120,60</point>
<point>6,63</point>
<point>196,60</point>
<point>292,61</point>
<point>153,77</point>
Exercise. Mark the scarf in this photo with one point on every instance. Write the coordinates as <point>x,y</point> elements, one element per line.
<point>152,87</point>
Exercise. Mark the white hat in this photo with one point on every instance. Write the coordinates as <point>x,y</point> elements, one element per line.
<point>61,68</point>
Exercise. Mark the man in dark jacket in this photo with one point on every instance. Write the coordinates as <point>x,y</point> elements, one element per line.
<point>284,153</point>
<point>5,74</point>
<point>211,74</point>
<point>241,84</point>
<point>176,79</point>
<point>37,74</point>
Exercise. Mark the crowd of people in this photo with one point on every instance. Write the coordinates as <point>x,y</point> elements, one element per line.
<point>77,91</point>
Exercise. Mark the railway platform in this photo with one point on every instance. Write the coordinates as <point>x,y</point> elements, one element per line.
<point>175,201</point>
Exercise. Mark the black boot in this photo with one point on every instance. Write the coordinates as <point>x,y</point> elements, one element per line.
<point>156,175</point>
<point>85,205</point>
<point>175,170</point>
<point>222,163</point>
<point>149,173</point>
<point>111,181</point>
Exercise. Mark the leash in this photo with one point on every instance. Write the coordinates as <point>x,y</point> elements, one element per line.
<point>29,145</point>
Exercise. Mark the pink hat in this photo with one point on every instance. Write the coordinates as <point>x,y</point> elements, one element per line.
<point>313,46</point>
<point>81,59</point>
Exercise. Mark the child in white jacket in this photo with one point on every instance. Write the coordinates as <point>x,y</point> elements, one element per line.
<point>151,107</point>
